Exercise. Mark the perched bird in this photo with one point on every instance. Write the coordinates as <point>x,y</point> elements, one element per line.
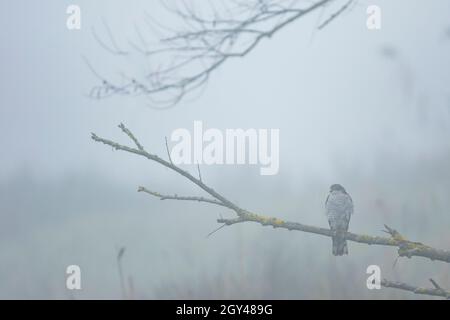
<point>339,208</point>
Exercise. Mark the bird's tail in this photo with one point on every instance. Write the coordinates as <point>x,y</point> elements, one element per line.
<point>339,246</point>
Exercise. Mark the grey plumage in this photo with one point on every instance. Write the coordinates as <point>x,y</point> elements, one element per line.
<point>339,208</point>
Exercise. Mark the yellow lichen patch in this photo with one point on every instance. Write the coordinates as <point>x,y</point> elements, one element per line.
<point>393,242</point>
<point>420,291</point>
<point>259,218</point>
<point>251,216</point>
<point>420,246</point>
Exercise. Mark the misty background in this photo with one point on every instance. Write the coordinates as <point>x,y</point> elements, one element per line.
<point>367,109</point>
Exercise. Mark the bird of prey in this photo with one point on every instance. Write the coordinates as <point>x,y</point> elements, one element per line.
<point>339,208</point>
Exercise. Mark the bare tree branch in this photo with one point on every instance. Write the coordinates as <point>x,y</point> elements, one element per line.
<point>183,60</point>
<point>436,291</point>
<point>406,248</point>
<point>227,203</point>
<point>132,137</point>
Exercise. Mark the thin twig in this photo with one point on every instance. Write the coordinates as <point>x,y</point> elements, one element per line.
<point>215,230</point>
<point>186,58</point>
<point>181,198</point>
<point>335,15</point>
